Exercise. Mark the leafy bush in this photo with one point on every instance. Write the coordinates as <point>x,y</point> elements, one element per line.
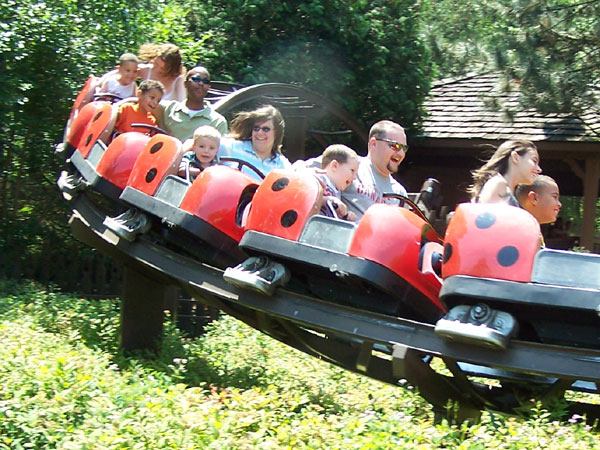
<point>47,51</point>
<point>65,385</point>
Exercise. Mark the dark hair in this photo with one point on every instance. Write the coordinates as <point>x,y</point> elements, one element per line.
<point>243,122</point>
<point>169,53</point>
<point>498,163</point>
<point>148,85</point>
<point>540,183</point>
<point>337,152</point>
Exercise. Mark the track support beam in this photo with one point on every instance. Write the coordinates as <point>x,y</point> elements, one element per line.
<point>447,403</point>
<point>142,309</point>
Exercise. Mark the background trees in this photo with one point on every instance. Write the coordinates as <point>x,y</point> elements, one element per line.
<point>551,48</point>
<point>365,55</point>
<point>47,50</point>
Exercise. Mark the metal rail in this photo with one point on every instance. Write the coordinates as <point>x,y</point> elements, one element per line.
<point>383,347</point>
<point>526,357</point>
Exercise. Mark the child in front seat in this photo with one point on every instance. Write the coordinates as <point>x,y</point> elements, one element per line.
<point>339,164</point>
<point>149,95</point>
<point>204,151</point>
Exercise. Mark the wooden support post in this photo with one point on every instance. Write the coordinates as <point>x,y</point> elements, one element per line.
<point>590,196</point>
<point>142,309</point>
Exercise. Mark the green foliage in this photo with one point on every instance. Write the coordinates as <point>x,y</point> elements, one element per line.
<point>64,385</point>
<point>572,210</point>
<point>47,51</point>
<point>94,323</point>
<point>457,34</point>
<point>366,56</point>
<point>553,50</point>
<point>550,48</point>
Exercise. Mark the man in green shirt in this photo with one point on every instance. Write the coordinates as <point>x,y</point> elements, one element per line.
<point>180,119</point>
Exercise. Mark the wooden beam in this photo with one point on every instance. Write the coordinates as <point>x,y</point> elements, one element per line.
<point>576,168</point>
<point>590,197</point>
<point>142,309</point>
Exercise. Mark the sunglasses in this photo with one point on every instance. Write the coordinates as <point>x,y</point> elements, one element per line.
<point>396,146</point>
<point>198,79</point>
<point>264,129</point>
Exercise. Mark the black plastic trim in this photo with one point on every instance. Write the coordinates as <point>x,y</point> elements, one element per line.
<point>98,183</point>
<point>398,296</point>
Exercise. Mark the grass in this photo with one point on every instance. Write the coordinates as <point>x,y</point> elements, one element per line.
<point>66,385</point>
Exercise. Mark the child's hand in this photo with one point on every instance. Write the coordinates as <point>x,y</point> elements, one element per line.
<point>340,209</point>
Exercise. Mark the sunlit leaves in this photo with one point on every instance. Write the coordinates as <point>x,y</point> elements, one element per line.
<point>366,56</point>
<point>65,385</point>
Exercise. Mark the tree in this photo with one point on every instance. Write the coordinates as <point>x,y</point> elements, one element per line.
<point>47,50</point>
<point>458,34</point>
<point>365,55</point>
<point>549,48</point>
<point>553,50</point>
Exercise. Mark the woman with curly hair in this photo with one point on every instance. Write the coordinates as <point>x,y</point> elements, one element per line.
<point>164,64</point>
<point>514,162</point>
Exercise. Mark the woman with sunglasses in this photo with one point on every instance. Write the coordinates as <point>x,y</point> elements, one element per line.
<point>256,137</point>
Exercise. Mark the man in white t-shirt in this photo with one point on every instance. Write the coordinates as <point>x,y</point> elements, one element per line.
<point>386,150</point>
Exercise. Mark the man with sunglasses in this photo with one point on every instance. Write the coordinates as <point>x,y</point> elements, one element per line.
<point>386,151</point>
<point>180,119</point>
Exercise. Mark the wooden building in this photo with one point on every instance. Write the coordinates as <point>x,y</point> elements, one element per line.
<point>470,116</point>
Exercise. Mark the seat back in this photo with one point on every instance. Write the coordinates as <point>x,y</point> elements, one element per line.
<point>119,157</point>
<point>283,203</point>
<point>79,123</point>
<point>218,196</point>
<point>491,240</point>
<point>102,116</point>
<point>394,237</point>
<point>160,157</point>
<point>84,96</point>
<point>172,190</point>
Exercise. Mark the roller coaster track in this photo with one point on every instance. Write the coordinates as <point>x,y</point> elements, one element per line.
<point>387,348</point>
<point>390,349</point>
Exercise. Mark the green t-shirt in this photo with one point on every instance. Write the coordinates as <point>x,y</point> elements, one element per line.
<point>179,121</point>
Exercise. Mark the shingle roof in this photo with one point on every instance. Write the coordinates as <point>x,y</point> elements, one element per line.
<point>463,108</point>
